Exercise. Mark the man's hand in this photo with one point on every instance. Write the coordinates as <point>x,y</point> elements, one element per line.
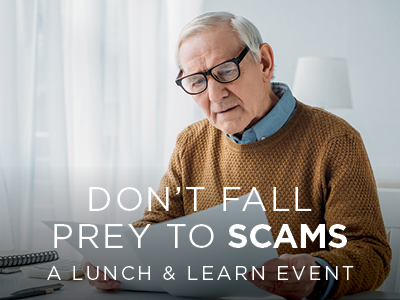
<point>293,287</point>
<point>100,283</point>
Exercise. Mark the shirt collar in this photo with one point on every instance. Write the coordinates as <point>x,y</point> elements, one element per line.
<point>274,120</point>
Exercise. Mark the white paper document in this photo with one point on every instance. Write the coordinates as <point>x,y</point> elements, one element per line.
<point>194,256</point>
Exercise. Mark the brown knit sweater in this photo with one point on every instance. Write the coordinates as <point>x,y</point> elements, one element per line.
<point>315,151</point>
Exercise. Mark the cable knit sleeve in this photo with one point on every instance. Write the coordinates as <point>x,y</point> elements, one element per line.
<point>351,199</point>
<point>171,179</point>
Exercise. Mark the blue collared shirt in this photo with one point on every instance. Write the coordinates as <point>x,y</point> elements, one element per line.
<point>274,120</point>
<point>267,126</point>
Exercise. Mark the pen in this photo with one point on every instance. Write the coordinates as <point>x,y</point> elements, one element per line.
<point>10,270</point>
<point>28,294</point>
<point>54,287</point>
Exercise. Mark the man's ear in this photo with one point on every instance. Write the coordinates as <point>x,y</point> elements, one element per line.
<point>267,61</point>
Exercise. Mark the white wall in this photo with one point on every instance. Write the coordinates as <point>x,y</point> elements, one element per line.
<point>367,34</point>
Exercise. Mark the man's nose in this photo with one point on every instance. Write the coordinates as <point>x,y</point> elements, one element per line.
<point>216,91</point>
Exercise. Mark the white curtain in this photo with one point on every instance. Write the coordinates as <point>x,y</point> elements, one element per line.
<point>87,99</point>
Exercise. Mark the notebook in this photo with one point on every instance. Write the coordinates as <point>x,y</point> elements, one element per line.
<point>11,261</point>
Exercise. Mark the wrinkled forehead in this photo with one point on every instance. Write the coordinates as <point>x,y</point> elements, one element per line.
<point>202,51</point>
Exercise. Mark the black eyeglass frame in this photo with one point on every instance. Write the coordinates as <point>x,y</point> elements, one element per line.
<point>235,60</point>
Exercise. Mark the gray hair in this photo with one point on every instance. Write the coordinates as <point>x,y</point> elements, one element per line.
<point>247,33</point>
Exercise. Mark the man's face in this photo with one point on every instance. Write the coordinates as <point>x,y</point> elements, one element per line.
<point>231,107</point>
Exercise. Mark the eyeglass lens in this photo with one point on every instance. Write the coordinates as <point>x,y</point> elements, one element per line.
<point>223,73</point>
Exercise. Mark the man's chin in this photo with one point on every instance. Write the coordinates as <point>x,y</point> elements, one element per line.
<point>231,131</point>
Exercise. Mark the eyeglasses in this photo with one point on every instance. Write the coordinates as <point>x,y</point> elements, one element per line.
<point>225,72</point>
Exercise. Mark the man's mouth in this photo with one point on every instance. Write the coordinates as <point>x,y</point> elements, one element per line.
<point>226,110</point>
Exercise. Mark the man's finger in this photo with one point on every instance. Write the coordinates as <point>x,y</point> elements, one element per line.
<point>106,285</point>
<point>99,280</point>
<point>96,274</point>
<point>102,276</point>
<point>272,265</point>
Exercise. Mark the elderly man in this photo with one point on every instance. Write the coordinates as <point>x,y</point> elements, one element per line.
<point>256,134</point>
